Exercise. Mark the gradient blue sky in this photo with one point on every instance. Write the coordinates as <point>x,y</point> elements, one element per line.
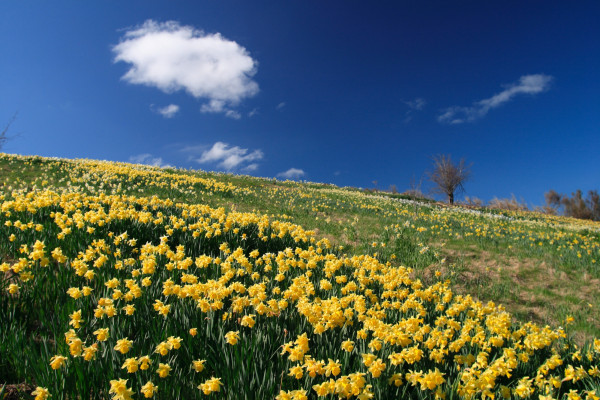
<point>342,92</point>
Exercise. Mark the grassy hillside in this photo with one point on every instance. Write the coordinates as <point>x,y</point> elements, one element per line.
<point>240,287</point>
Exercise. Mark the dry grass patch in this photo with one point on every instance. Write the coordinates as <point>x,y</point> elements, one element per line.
<point>529,288</point>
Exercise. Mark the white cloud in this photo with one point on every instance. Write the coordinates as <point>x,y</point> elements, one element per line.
<point>167,111</point>
<point>416,104</point>
<point>230,158</point>
<point>149,159</point>
<point>253,112</point>
<point>280,105</point>
<point>250,167</point>
<point>292,173</point>
<point>173,57</point>
<point>219,106</point>
<point>527,84</point>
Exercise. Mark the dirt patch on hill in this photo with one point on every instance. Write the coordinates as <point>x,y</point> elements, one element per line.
<point>531,289</point>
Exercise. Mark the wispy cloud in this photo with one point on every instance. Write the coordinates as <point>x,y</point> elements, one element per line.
<point>219,106</point>
<point>280,105</point>
<point>527,84</point>
<point>167,111</point>
<point>229,158</point>
<point>292,173</point>
<point>149,159</point>
<point>414,105</point>
<point>173,57</point>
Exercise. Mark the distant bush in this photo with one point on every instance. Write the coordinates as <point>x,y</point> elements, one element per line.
<point>414,194</point>
<point>575,206</point>
<point>508,204</point>
<point>473,202</point>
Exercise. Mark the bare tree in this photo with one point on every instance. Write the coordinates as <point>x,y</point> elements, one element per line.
<point>415,192</point>
<point>553,199</point>
<point>575,206</point>
<point>449,177</point>
<point>4,134</point>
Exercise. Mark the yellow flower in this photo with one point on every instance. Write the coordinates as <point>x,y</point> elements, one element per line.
<point>283,395</point>
<point>90,352</point>
<point>248,320</point>
<point>368,359</point>
<point>131,364</point>
<point>431,380</point>
<point>163,370</point>
<point>123,345</point>
<point>101,334</point>
<point>333,368</point>
<point>129,309</point>
<point>211,385</point>
<point>395,379</point>
<point>76,319</point>
<point>74,292</point>
<point>148,389</point>
<point>348,345</point>
<point>41,393</point>
<point>145,362</point>
<point>377,368</point>
<point>163,348</point>
<point>194,331</point>
<point>13,289</point>
<point>199,365</point>
<point>120,390</point>
<point>57,361</point>
<point>174,341</point>
<point>524,388</point>
<point>296,372</point>
<point>164,310</point>
<point>232,337</point>
<point>75,347</point>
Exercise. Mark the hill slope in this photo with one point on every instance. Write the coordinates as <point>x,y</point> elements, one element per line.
<point>171,278</point>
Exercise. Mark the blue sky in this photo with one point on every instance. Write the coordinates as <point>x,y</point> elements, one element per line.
<point>342,92</point>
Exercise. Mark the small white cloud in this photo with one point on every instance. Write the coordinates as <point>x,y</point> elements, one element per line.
<point>230,158</point>
<point>167,112</point>
<point>253,112</point>
<point>416,104</point>
<point>149,159</point>
<point>233,114</point>
<point>280,105</point>
<point>218,106</point>
<point>250,167</point>
<point>173,57</point>
<point>292,173</point>
<point>528,84</point>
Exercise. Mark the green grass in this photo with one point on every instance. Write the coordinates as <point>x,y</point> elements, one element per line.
<point>541,268</point>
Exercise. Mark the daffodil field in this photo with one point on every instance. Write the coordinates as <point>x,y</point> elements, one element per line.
<point>124,281</point>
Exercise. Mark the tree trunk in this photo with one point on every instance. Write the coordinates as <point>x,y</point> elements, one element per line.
<point>451,198</point>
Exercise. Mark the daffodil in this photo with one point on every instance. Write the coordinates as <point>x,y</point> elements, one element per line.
<point>41,393</point>
<point>198,365</point>
<point>57,361</point>
<point>123,345</point>
<point>232,337</point>
<point>163,370</point>
<point>148,389</point>
<point>119,390</point>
